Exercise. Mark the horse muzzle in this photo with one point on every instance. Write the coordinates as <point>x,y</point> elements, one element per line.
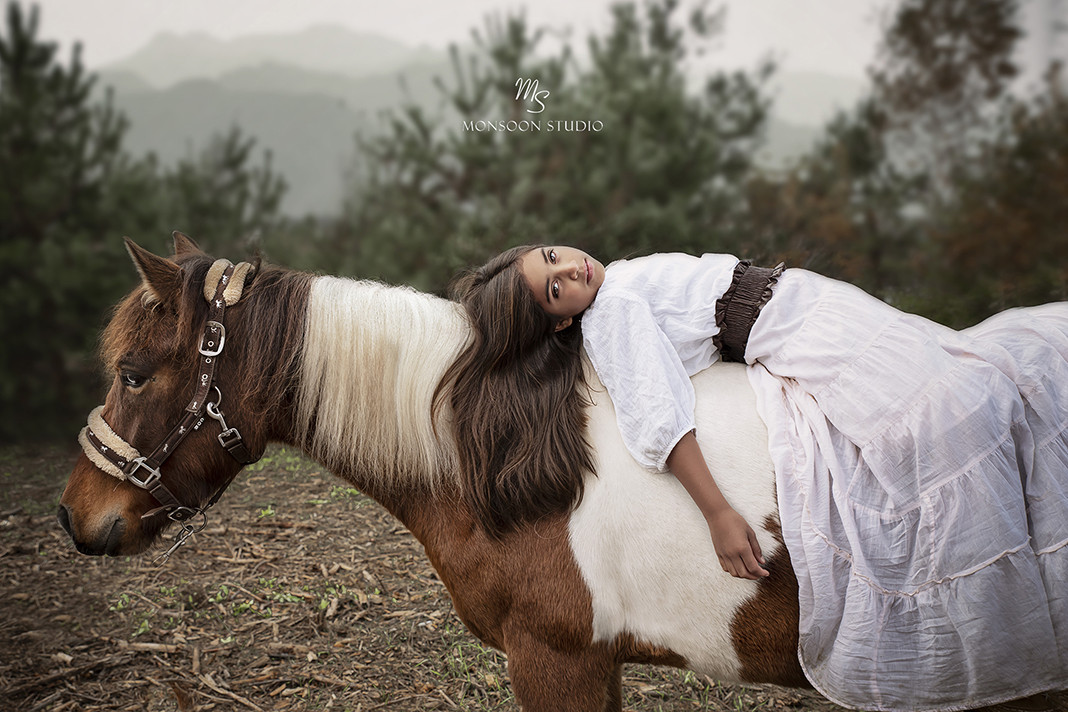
<point>106,540</point>
<point>102,516</point>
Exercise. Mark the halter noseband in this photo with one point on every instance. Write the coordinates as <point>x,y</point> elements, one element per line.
<point>108,451</point>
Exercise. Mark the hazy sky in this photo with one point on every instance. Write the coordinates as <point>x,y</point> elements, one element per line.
<point>832,36</point>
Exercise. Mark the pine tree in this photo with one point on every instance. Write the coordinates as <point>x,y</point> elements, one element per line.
<point>619,156</point>
<point>68,194</point>
<point>1003,241</point>
<point>867,202</point>
<point>220,197</point>
<point>56,154</point>
<point>942,68</point>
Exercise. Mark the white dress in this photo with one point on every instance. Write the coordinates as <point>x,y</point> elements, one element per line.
<point>649,329</point>
<point>922,478</point>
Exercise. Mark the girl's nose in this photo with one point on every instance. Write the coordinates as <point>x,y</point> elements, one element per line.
<point>570,269</point>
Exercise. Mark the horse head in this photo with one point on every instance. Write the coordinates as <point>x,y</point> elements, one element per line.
<point>160,449</point>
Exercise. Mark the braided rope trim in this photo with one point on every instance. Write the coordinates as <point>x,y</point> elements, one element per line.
<point>106,435</point>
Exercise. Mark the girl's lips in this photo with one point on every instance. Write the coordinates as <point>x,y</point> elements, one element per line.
<point>586,264</point>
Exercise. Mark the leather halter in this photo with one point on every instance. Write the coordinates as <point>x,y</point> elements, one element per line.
<point>122,460</point>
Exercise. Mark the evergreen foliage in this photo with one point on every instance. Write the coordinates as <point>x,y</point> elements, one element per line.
<point>57,154</point>
<point>1003,242</point>
<point>848,210</point>
<point>901,195</point>
<point>68,194</point>
<point>617,157</point>
<point>940,192</point>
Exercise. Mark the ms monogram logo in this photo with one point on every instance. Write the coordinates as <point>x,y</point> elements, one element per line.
<point>528,89</point>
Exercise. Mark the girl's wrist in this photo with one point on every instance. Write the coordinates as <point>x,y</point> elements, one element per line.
<point>717,511</point>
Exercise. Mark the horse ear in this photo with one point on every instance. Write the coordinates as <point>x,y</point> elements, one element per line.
<point>162,278</point>
<point>184,245</point>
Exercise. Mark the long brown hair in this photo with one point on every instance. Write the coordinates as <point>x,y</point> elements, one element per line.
<point>518,397</point>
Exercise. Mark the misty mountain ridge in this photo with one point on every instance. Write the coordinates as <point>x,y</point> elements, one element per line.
<point>367,94</point>
<point>306,103</point>
<point>171,58</point>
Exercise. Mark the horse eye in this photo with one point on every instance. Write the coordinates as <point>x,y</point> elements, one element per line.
<point>132,380</point>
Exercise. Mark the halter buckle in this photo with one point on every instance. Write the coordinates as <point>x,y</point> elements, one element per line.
<point>230,438</point>
<point>153,474</point>
<point>212,350</point>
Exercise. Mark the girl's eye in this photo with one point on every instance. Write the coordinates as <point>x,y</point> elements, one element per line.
<point>552,256</point>
<point>132,380</point>
<point>556,290</point>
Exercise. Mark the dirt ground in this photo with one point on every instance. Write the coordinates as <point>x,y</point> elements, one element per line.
<point>301,594</point>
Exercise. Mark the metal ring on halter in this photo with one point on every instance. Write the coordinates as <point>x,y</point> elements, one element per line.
<point>218,402</point>
<point>229,436</point>
<point>213,410</point>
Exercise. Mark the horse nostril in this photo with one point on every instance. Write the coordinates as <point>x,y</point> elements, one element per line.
<point>64,519</point>
<point>113,544</point>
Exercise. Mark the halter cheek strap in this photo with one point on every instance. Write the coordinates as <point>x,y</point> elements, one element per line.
<point>113,455</point>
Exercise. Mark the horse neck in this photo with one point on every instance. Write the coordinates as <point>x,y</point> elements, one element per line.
<point>371,361</point>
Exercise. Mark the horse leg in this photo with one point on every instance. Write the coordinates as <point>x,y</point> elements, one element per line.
<point>614,693</point>
<point>548,680</point>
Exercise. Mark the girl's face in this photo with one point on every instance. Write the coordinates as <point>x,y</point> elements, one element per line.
<point>564,280</point>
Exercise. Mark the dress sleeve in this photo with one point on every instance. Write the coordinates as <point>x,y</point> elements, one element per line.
<point>652,394</point>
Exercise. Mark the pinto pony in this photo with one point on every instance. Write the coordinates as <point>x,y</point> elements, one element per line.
<point>347,371</point>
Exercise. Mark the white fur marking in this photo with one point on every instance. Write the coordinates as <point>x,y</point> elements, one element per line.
<point>643,546</point>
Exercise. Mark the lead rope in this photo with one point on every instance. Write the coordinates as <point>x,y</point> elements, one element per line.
<point>223,286</point>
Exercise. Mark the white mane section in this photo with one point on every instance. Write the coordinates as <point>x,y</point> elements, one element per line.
<point>373,356</point>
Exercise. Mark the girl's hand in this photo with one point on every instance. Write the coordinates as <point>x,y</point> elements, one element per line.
<point>736,544</point>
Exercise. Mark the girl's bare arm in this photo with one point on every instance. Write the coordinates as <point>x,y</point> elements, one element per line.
<point>735,541</point>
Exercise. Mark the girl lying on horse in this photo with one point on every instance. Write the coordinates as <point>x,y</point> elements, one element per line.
<point>518,394</point>
<point>920,471</point>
